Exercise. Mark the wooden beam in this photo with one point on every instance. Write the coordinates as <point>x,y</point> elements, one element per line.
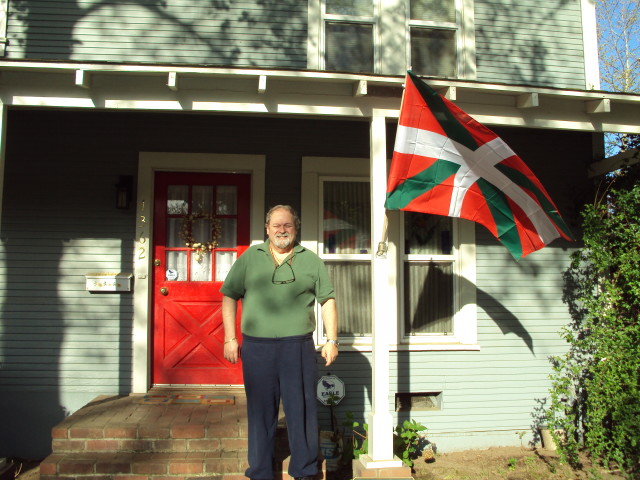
<point>450,93</point>
<point>262,83</point>
<point>172,81</point>
<point>602,105</point>
<point>613,163</point>
<point>82,79</point>
<point>360,88</point>
<point>528,100</point>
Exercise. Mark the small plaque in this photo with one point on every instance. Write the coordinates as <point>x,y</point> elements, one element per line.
<point>108,282</point>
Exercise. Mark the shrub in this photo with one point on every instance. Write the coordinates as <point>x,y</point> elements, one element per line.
<point>595,393</point>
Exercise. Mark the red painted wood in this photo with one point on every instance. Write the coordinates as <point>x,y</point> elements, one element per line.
<point>187,322</point>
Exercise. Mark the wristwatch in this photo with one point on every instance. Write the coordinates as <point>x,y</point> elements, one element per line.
<point>335,342</point>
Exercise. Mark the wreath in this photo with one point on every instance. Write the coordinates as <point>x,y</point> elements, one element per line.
<point>186,233</point>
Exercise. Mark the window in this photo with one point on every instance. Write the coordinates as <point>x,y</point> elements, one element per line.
<point>434,37</point>
<point>349,33</point>
<point>438,280</point>
<point>433,27</point>
<point>434,268</point>
<point>346,249</point>
<point>429,266</point>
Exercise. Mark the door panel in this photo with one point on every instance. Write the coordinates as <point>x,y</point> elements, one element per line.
<point>201,225</point>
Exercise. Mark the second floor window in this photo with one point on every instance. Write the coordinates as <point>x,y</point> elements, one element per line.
<point>433,26</point>
<point>349,34</point>
<point>352,36</point>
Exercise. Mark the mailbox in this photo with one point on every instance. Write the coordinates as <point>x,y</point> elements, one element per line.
<point>108,282</point>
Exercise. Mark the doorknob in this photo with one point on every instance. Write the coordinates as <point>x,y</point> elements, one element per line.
<point>164,291</point>
<point>157,262</point>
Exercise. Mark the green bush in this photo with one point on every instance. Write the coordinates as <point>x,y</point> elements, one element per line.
<point>595,394</point>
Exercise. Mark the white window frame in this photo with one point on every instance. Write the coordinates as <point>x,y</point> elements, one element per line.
<point>391,28</point>
<point>465,321</point>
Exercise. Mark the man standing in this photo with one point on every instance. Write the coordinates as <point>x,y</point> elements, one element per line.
<point>279,282</point>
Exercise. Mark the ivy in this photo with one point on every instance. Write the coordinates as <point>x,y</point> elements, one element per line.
<point>595,393</point>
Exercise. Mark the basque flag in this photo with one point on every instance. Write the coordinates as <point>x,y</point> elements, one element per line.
<point>446,163</point>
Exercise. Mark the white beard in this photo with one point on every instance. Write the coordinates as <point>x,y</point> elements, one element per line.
<point>282,241</point>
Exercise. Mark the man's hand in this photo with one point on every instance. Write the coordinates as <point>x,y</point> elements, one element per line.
<point>329,353</point>
<point>231,350</point>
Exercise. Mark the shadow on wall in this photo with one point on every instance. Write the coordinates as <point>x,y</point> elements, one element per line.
<point>212,32</point>
<point>60,346</point>
<point>534,55</point>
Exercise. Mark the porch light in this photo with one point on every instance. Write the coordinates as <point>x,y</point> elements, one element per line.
<point>123,192</point>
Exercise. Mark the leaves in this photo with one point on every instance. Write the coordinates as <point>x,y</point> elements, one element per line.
<point>595,395</point>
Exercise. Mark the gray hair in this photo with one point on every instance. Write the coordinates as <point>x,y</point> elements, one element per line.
<point>290,209</point>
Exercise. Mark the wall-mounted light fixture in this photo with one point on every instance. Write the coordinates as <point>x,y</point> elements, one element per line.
<point>124,190</point>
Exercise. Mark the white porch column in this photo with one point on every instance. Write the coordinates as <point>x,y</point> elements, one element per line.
<point>380,453</point>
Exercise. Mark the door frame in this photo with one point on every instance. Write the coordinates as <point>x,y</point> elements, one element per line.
<point>148,164</point>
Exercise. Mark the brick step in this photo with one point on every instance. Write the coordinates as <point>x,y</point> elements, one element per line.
<point>147,466</point>
<point>178,438</point>
<point>143,466</point>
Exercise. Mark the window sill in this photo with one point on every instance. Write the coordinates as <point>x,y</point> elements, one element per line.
<point>413,347</point>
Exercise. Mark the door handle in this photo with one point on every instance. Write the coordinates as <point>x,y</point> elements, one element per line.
<point>164,291</point>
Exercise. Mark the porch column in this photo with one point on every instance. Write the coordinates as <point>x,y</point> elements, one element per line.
<point>380,455</point>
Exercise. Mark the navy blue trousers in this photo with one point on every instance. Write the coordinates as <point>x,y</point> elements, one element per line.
<point>276,368</point>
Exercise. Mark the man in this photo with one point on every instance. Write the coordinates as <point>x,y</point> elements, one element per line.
<point>279,282</point>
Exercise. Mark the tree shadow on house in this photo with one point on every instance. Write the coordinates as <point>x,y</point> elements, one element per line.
<point>61,345</point>
<point>213,32</point>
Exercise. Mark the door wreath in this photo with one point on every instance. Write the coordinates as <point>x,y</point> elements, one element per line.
<point>186,233</point>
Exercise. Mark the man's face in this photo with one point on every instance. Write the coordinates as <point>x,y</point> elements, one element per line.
<point>281,229</point>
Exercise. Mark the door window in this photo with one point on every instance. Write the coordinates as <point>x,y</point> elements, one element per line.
<point>201,239</point>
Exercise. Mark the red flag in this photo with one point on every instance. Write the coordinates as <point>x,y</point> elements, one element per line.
<point>446,163</point>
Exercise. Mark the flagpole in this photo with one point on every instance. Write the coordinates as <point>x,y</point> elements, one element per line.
<point>382,245</point>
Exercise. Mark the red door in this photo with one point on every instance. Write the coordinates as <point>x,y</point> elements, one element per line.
<point>201,225</point>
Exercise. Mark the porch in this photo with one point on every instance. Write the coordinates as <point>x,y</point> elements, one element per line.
<point>172,434</point>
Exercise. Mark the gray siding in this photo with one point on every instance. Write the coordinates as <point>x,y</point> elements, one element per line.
<point>238,33</point>
<point>530,42</point>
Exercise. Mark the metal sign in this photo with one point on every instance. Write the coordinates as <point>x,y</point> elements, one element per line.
<point>330,390</point>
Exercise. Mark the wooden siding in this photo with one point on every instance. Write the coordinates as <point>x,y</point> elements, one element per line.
<point>530,42</point>
<point>238,33</point>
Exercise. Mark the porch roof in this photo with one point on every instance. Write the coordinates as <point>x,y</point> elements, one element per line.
<point>258,91</point>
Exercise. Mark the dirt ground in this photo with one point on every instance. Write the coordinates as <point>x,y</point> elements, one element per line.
<point>506,463</point>
<point>500,463</point>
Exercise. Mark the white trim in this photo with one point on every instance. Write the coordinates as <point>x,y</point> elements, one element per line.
<point>315,51</point>
<point>149,163</point>
<point>313,93</point>
<point>3,150</point>
<point>590,45</point>
<point>4,19</point>
<point>467,49</point>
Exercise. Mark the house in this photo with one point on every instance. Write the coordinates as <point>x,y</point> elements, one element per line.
<point>132,128</point>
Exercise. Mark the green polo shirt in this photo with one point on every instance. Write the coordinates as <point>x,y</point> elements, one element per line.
<point>272,310</point>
